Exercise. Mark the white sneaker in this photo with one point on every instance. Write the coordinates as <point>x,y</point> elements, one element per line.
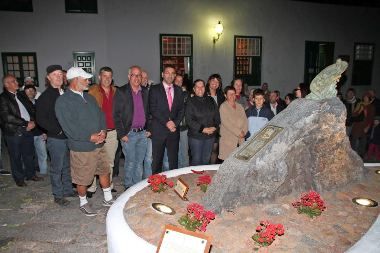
<point>108,203</point>
<point>87,210</point>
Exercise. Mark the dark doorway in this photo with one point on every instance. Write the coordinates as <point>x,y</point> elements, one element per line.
<point>318,55</point>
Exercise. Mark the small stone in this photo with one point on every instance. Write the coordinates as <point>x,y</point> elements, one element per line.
<point>274,211</point>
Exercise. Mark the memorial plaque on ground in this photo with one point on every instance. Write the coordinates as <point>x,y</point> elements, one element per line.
<point>176,239</point>
<point>181,188</point>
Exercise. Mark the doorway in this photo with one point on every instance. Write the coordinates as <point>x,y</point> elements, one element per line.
<point>318,55</point>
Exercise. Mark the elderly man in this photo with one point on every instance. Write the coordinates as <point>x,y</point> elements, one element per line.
<point>56,142</point>
<point>104,93</point>
<point>84,124</point>
<point>131,116</point>
<point>17,121</point>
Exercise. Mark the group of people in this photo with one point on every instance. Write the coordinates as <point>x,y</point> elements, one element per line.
<point>158,127</point>
<point>362,124</point>
<point>74,127</point>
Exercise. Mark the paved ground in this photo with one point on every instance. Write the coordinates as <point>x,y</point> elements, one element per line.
<point>30,221</point>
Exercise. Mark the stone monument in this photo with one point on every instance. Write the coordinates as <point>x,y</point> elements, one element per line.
<point>302,148</point>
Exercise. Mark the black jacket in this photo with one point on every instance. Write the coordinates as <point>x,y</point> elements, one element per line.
<point>159,109</point>
<point>11,121</point>
<point>375,135</point>
<point>123,109</point>
<point>201,112</point>
<point>45,113</point>
<point>219,97</point>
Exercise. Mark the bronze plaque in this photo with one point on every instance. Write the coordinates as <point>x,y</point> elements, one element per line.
<point>258,142</point>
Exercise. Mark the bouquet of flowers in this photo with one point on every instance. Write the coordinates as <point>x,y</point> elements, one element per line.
<point>197,218</point>
<point>159,183</point>
<point>267,232</point>
<point>310,204</point>
<point>203,182</point>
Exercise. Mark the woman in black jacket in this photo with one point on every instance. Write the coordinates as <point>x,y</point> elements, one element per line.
<point>203,120</point>
<point>214,90</point>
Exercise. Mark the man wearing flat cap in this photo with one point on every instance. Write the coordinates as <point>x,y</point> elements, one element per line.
<point>56,142</point>
<point>85,126</point>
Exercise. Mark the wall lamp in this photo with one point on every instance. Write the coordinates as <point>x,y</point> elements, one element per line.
<point>218,30</point>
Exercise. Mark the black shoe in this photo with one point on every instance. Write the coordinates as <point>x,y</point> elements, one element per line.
<point>5,173</point>
<point>113,190</point>
<point>35,178</point>
<point>20,183</point>
<point>61,201</point>
<point>71,195</point>
<point>89,194</point>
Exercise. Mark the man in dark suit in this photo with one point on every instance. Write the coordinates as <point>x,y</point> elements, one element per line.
<point>167,109</point>
<point>17,121</point>
<point>275,102</point>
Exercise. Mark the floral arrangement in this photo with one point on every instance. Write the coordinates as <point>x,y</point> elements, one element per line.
<point>203,182</point>
<point>159,183</point>
<point>310,204</point>
<point>197,218</point>
<point>267,232</point>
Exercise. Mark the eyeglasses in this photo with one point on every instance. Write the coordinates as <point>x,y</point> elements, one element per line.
<point>133,75</point>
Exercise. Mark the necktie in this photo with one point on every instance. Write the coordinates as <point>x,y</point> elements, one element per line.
<point>170,98</point>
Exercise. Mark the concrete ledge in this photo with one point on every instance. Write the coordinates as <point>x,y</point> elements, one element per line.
<point>121,238</point>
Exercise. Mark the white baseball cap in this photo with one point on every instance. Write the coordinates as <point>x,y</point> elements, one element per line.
<point>77,72</point>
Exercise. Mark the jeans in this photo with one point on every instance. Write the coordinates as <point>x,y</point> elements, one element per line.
<point>60,175</point>
<point>200,150</point>
<point>21,154</point>
<point>183,152</point>
<point>134,151</point>
<point>40,147</point>
<point>148,159</point>
<point>359,145</point>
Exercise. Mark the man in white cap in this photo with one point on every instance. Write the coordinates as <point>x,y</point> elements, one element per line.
<point>84,124</point>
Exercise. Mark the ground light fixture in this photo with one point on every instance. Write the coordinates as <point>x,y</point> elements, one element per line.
<point>163,209</point>
<point>377,172</point>
<point>218,30</point>
<point>361,201</point>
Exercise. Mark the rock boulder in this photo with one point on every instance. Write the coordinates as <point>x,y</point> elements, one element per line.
<point>310,151</point>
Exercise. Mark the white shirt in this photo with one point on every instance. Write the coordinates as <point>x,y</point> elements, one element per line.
<point>23,112</point>
<point>273,107</point>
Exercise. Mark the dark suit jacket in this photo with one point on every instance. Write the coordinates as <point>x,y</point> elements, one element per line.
<point>123,109</point>
<point>159,109</point>
<point>11,121</point>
